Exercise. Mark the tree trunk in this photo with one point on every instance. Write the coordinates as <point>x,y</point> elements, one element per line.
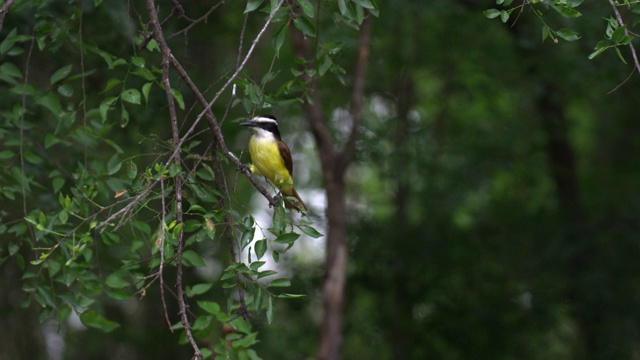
<point>334,280</point>
<point>334,164</point>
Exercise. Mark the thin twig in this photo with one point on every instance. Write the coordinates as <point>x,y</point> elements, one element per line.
<point>196,21</point>
<point>238,69</point>
<point>175,10</point>
<point>207,108</point>
<point>163,236</point>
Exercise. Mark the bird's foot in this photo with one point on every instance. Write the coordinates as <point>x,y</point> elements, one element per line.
<point>244,168</point>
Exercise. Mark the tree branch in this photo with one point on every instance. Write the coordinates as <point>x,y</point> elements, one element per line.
<point>166,56</point>
<point>312,105</point>
<point>4,11</point>
<point>357,94</point>
<point>196,21</point>
<point>217,132</point>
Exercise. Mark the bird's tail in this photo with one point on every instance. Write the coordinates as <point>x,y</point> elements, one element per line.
<point>297,204</point>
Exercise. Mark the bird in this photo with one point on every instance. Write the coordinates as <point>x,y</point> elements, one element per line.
<point>271,158</point>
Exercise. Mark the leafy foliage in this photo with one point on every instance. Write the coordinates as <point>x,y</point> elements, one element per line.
<point>617,33</point>
<point>100,209</point>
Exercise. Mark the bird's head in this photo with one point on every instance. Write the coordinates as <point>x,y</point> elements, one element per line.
<point>264,126</point>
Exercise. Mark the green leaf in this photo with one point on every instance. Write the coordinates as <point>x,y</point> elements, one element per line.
<point>137,61</point>
<point>153,46</point>
<point>63,312</point>
<point>545,32</point>
<point>291,296</point>
<point>113,167</point>
<point>11,70</point>
<point>32,158</point>
<point>252,5</point>
<point>266,273</point>
<point>566,10</point>
<point>278,38</point>
<point>178,96</point>
<point>115,281</point>
<point>146,88</point>
<point>279,220</point>
<point>131,96</point>
<point>210,307</point>
<point>568,34</point>
<point>104,107</point>
<point>94,320</point>
<point>311,231</point>
<point>280,282</point>
<point>144,73</point>
<point>110,84</point>
<point>198,289</point>
<point>192,258</point>
<point>119,294</point>
<point>344,9</point>
<point>6,154</point>
<point>303,24</point>
<point>51,102</point>
<point>8,42</point>
<point>202,322</point>
<point>620,55</point>
<point>132,170</point>
<point>57,184</point>
<point>271,302</point>
<point>256,265</point>
<point>60,74</point>
<point>618,35</point>
<point>491,13</point>
<point>124,116</point>
<point>260,248</point>
<point>601,46</point>
<point>287,238</point>
<point>504,16</point>
<point>367,4</point>
<point>307,8</point>
<point>65,90</point>
<point>326,65</point>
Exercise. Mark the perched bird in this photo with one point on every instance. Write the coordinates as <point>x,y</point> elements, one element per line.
<point>271,158</point>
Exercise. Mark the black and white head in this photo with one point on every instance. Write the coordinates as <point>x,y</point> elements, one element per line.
<point>264,126</point>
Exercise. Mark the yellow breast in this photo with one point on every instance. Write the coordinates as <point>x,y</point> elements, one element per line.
<point>266,161</point>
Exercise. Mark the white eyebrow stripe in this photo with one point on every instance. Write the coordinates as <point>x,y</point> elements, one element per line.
<point>263,119</point>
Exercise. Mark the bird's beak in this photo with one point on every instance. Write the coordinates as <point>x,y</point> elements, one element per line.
<point>248,123</point>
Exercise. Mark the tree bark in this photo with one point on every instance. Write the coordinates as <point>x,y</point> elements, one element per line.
<point>334,164</point>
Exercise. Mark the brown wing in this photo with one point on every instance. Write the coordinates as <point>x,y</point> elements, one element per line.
<point>286,156</point>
